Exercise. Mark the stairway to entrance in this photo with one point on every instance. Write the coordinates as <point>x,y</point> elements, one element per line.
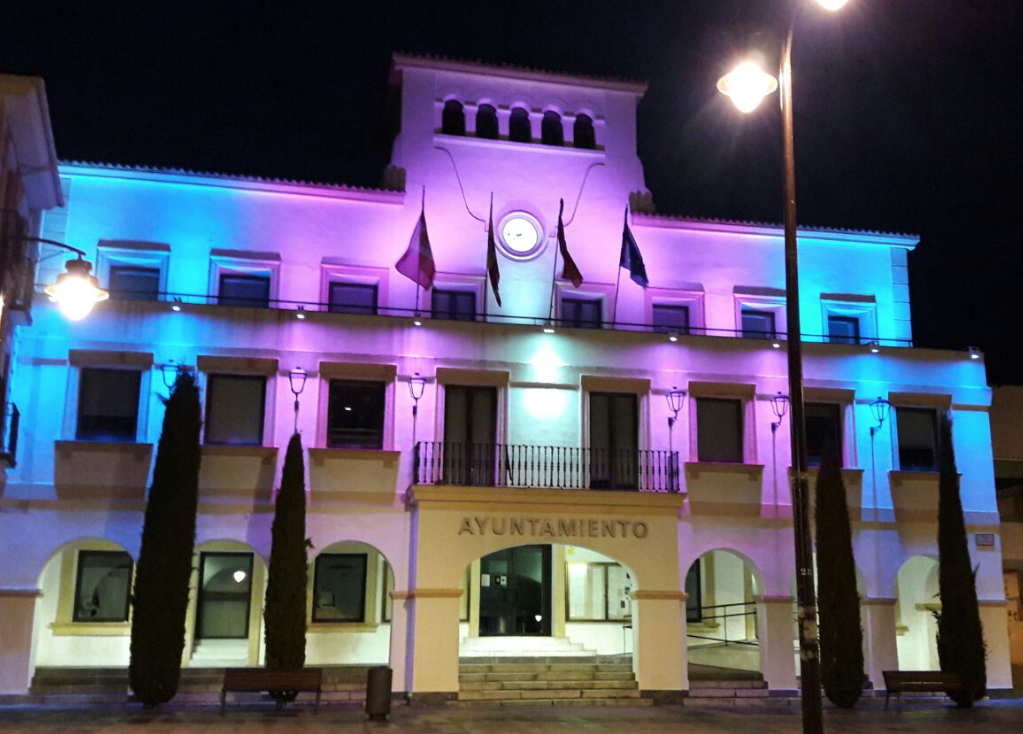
<point>554,681</point>
<point>526,646</point>
<point>220,654</point>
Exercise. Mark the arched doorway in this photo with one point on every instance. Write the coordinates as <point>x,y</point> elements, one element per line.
<point>916,592</point>
<point>721,615</point>
<point>546,600</point>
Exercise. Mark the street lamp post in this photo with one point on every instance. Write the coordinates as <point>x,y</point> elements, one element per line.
<point>674,397</point>
<point>747,85</point>
<point>77,290</point>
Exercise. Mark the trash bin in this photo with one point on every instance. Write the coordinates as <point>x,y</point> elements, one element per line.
<point>378,693</point>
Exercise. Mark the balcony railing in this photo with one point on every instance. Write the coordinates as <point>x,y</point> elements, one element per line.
<point>545,467</point>
<point>9,436</point>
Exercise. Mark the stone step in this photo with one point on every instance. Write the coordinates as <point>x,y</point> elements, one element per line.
<point>582,694</point>
<point>728,693</point>
<point>543,685</point>
<point>555,702</point>
<point>764,701</point>
<point>693,684</point>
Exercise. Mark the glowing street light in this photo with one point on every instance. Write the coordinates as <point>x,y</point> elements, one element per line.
<point>77,290</point>
<point>747,85</point>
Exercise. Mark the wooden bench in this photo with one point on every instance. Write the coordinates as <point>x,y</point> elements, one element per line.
<point>266,680</point>
<point>918,681</point>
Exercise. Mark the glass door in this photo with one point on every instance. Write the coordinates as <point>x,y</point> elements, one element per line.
<point>470,435</point>
<point>515,592</point>
<point>614,441</point>
<point>225,596</point>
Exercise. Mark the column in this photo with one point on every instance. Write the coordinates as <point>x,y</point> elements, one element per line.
<point>399,653</point>
<point>17,609</point>
<point>659,657</point>
<point>994,620</point>
<point>776,632</point>
<point>434,643</point>
<point>880,647</point>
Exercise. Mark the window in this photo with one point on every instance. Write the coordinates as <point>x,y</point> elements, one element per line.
<point>581,313</point>
<point>103,586</point>
<point>453,118</point>
<point>486,122</point>
<point>235,407</point>
<point>719,430</point>
<point>519,128</point>
<point>134,283</point>
<point>355,414</point>
<point>352,298</point>
<point>758,324</point>
<point>823,430</point>
<point>339,587</point>
<point>614,441</point>
<point>582,132</point>
<point>843,329</point>
<point>252,291</point>
<point>670,318</point>
<point>453,305</point>
<point>470,435</point>
<point>108,404</point>
<point>552,132</point>
<point>598,592</point>
<point>694,592</point>
<point>918,439</point>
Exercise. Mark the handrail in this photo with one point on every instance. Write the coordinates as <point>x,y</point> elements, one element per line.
<point>751,611</point>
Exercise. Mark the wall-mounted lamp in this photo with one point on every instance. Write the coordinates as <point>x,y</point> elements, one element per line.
<point>169,373</point>
<point>675,398</point>
<point>780,408</point>
<point>975,353</point>
<point>879,410</point>
<point>416,388</point>
<point>296,381</point>
<point>76,290</point>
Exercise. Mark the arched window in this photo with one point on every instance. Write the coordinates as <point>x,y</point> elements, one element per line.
<point>582,132</point>
<point>552,132</point>
<point>519,129</point>
<point>453,118</point>
<point>486,122</point>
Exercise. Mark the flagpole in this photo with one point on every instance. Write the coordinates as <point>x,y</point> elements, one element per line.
<point>554,275</point>
<point>486,267</point>
<point>422,213</point>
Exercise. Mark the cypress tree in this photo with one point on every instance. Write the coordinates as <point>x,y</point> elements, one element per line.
<point>160,597</point>
<point>841,636</point>
<point>960,635</point>
<point>284,612</point>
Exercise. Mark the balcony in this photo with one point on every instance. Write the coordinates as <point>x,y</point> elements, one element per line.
<point>9,436</point>
<point>545,467</point>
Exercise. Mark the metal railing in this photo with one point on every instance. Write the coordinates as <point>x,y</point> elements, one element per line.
<point>9,436</point>
<point>717,617</point>
<point>545,467</point>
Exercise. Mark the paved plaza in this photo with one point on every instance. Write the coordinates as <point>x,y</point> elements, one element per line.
<point>995,716</point>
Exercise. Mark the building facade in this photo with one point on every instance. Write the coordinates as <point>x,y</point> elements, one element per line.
<point>485,476</point>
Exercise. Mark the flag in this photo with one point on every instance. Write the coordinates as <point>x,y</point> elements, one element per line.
<point>570,271</point>
<point>631,259</point>
<point>492,269</point>
<point>417,263</point>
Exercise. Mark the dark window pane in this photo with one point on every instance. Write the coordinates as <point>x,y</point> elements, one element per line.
<point>453,305</point>
<point>519,129</point>
<point>224,600</point>
<point>486,122</point>
<point>453,118</point>
<point>823,430</point>
<point>552,132</point>
<point>103,586</point>
<point>340,588</point>
<point>244,290</point>
<point>671,318</point>
<point>758,324</point>
<point>470,429</point>
<point>108,404</point>
<point>355,414</point>
<point>614,441</point>
<point>234,409</point>
<point>134,283</point>
<point>719,430</point>
<point>581,313</point>
<point>918,439</point>
<point>694,591</point>
<point>353,298</point>
<point>582,132</point>
<point>844,329</point>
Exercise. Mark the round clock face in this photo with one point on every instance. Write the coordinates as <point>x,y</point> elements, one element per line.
<point>521,235</point>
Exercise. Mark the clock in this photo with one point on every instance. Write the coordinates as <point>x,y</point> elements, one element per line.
<point>521,236</point>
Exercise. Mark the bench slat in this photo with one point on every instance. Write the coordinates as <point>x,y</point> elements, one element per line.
<point>263,680</point>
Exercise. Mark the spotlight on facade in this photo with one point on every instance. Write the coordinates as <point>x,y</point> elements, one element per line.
<point>975,353</point>
<point>874,347</point>
<point>176,306</point>
<point>776,345</point>
<point>780,408</point>
<point>76,291</point>
<point>301,313</point>
<point>417,322</point>
<point>672,336</point>
<point>879,411</point>
<point>747,85</point>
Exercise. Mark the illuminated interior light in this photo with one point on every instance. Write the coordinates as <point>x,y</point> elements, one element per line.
<point>239,576</point>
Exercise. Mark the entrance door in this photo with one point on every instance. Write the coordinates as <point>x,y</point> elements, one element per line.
<point>614,441</point>
<point>515,592</point>
<point>470,431</point>
<point>225,593</point>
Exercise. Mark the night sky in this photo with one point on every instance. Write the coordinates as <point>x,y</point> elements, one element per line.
<point>908,112</point>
